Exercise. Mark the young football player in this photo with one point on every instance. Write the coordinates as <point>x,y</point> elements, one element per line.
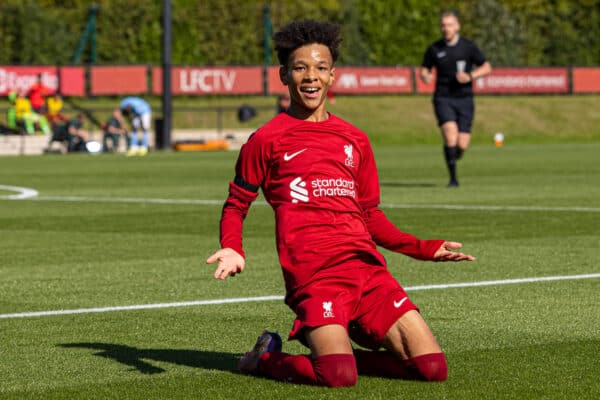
<point>318,174</point>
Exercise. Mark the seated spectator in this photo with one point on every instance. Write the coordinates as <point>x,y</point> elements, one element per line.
<point>113,130</point>
<point>24,114</point>
<point>72,133</point>
<point>54,106</point>
<point>37,92</point>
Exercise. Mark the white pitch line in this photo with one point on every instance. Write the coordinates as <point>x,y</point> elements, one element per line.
<point>141,200</point>
<point>136,200</point>
<point>490,208</point>
<point>22,193</point>
<point>140,307</point>
<point>504,282</point>
<point>275,297</point>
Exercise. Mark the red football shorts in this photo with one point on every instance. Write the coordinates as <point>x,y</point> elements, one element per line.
<point>366,300</point>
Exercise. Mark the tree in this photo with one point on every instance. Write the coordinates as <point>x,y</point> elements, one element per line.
<point>376,32</point>
<point>496,31</point>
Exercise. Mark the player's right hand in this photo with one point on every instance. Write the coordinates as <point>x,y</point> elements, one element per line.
<point>448,252</point>
<point>463,77</point>
<point>230,262</point>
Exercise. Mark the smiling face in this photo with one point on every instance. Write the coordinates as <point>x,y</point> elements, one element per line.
<point>308,74</point>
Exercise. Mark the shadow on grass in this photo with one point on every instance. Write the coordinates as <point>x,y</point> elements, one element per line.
<point>136,358</point>
<point>408,185</point>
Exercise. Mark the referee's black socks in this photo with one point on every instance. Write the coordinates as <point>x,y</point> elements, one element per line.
<point>459,153</point>
<point>451,155</point>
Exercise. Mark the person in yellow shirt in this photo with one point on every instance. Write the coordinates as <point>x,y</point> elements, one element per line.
<point>54,106</point>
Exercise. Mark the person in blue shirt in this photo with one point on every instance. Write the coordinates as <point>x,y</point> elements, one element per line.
<point>139,113</point>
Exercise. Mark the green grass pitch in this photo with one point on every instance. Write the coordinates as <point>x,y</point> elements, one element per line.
<point>93,239</point>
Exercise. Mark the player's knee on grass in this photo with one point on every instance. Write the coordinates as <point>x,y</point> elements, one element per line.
<point>335,370</point>
<point>431,367</point>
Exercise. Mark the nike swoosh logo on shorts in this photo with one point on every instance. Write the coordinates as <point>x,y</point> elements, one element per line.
<point>398,304</point>
<point>288,157</point>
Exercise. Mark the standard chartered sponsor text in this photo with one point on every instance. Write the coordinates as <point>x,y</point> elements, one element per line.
<point>333,187</point>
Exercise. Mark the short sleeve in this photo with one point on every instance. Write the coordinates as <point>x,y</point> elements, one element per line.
<point>428,60</point>
<point>477,56</point>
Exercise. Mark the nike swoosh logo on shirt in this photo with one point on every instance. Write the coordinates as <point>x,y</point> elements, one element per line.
<point>397,304</point>
<point>288,157</point>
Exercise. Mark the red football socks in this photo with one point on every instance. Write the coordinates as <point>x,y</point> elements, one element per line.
<point>338,370</point>
<point>333,370</point>
<point>286,367</point>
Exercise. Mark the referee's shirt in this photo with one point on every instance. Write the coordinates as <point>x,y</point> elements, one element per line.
<point>448,59</point>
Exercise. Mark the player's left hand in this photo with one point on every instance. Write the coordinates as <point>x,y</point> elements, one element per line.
<point>447,252</point>
<point>463,77</point>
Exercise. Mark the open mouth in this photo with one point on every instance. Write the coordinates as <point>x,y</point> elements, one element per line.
<point>310,92</point>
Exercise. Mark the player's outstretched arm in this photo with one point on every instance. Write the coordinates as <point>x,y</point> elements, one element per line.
<point>447,252</point>
<point>230,262</point>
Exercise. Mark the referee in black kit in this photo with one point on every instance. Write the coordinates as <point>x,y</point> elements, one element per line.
<point>458,62</point>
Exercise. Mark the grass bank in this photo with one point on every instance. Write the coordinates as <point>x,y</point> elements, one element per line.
<point>405,120</point>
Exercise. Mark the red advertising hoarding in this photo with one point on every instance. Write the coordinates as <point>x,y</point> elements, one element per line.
<point>515,81</point>
<point>372,80</point>
<point>211,80</point>
<point>524,80</point>
<point>16,78</point>
<point>359,80</point>
<point>109,80</point>
<point>72,81</point>
<point>586,80</point>
<point>275,85</point>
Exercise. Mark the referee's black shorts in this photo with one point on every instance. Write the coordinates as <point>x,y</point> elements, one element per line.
<point>458,109</point>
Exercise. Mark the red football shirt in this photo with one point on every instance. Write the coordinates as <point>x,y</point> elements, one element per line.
<point>321,180</point>
<point>36,94</point>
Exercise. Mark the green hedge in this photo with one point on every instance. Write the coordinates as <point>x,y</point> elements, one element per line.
<point>376,32</point>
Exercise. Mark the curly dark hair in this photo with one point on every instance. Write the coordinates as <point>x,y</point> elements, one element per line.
<point>299,33</point>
